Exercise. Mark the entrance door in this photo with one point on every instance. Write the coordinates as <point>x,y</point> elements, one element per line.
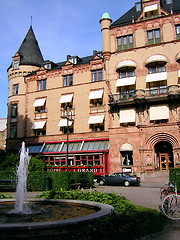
<point>164,161</point>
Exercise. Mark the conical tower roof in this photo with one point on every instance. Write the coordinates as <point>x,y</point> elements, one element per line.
<point>29,51</point>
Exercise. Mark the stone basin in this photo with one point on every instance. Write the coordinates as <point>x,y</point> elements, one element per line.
<point>53,229</point>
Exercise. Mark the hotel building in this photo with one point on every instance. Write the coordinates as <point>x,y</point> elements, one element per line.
<point>116,110</point>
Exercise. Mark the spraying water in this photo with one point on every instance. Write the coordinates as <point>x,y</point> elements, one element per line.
<point>21,206</point>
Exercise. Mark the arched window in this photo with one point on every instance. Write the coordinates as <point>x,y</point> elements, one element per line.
<point>126,151</point>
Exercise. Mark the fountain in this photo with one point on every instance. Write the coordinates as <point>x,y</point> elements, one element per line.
<point>21,206</point>
<point>43,218</point>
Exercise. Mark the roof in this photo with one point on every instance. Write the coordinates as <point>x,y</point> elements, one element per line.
<point>3,122</point>
<point>82,60</point>
<point>29,50</point>
<point>132,14</point>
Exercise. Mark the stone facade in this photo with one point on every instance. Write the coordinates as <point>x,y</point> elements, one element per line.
<point>128,93</point>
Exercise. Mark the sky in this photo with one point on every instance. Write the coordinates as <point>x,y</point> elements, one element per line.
<point>61,27</point>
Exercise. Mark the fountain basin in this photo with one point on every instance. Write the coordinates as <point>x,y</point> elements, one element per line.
<point>62,229</point>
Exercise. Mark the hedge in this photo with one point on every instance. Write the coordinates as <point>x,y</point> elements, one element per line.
<point>37,180</point>
<point>173,177</point>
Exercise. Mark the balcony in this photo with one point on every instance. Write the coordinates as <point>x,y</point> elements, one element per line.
<point>162,93</point>
<point>97,108</point>
<point>40,115</point>
<point>67,112</point>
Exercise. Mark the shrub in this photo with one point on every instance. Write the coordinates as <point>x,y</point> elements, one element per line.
<point>174,176</point>
<point>120,203</point>
<point>64,180</point>
<point>10,162</point>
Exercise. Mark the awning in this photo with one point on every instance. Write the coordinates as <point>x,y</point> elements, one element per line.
<point>66,98</point>
<point>156,77</point>
<point>64,123</point>
<point>96,94</point>
<point>61,147</point>
<point>159,112</point>
<point>150,8</point>
<point>126,63</point>
<point>38,125</point>
<point>127,116</point>
<point>178,56</point>
<point>156,58</point>
<point>126,147</point>
<point>39,102</point>
<point>125,81</point>
<point>96,119</point>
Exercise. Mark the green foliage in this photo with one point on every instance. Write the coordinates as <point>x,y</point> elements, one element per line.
<point>36,164</point>
<point>7,174</point>
<point>2,156</point>
<point>35,180</point>
<point>5,196</point>
<point>120,203</point>
<point>64,180</point>
<point>135,225</point>
<point>174,177</point>
<point>10,162</point>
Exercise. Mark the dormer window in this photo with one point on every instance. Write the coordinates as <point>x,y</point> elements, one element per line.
<point>151,10</point>
<point>15,64</point>
<point>47,65</point>
<point>138,7</point>
<point>177,31</point>
<point>169,1</point>
<point>73,59</point>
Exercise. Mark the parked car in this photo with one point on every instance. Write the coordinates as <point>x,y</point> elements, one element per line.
<point>119,179</point>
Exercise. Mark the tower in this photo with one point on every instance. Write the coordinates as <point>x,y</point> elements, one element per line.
<point>27,59</point>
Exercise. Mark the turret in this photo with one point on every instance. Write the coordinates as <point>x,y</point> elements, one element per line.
<point>27,59</point>
<point>105,29</point>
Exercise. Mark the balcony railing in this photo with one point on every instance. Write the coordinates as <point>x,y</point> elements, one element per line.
<point>156,92</point>
<point>97,109</point>
<point>40,115</point>
<point>69,112</point>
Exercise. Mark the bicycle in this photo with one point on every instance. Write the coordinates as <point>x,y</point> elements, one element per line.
<point>170,206</point>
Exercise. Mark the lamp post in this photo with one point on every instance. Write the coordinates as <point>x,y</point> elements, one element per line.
<point>68,118</point>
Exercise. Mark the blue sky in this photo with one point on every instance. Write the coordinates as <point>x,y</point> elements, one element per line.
<point>61,27</point>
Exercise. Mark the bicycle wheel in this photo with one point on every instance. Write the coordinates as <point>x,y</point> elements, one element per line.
<point>171,206</point>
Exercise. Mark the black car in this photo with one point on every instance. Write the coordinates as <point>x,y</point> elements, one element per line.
<point>119,179</point>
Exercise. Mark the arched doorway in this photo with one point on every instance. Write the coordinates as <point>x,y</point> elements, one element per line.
<point>164,155</point>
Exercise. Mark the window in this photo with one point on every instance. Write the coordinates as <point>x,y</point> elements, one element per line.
<point>169,1</point>
<point>14,110</point>
<point>97,127</point>
<point>156,88</point>
<point>138,6</point>
<point>68,80</point>
<point>13,131</point>
<point>127,92</point>
<point>41,85</point>
<point>39,132</point>
<point>127,158</point>
<point>154,36</point>
<point>125,42</point>
<point>178,31</point>
<point>15,89</point>
<point>156,67</point>
<point>15,64</point>
<point>97,75</point>
<point>126,72</point>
